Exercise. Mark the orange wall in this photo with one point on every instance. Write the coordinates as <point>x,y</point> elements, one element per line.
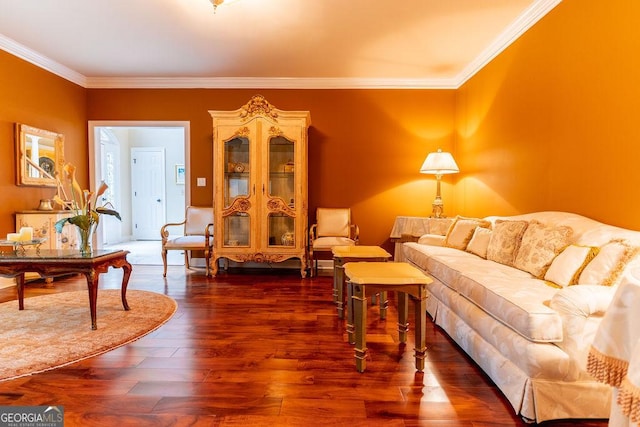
<point>552,122</point>
<point>37,98</point>
<point>365,146</point>
<point>549,124</point>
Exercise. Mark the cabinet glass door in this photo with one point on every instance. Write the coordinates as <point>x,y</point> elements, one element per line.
<point>281,224</point>
<point>236,187</point>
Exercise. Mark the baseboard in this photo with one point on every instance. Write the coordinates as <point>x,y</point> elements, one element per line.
<point>325,264</point>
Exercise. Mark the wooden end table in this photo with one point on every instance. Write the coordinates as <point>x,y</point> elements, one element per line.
<point>51,262</point>
<point>357,253</point>
<point>367,278</point>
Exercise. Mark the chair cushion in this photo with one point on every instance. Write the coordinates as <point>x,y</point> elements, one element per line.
<point>333,222</point>
<point>197,219</point>
<point>184,242</point>
<point>326,243</point>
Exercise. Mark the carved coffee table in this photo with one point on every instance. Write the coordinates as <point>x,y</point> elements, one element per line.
<point>51,262</point>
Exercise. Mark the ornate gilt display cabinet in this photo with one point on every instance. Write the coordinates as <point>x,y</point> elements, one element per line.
<point>260,184</point>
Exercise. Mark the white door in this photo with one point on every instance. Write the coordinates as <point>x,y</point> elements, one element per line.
<point>147,192</point>
<point>110,173</point>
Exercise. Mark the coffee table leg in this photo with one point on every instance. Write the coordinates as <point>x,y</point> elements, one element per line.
<point>350,320</point>
<point>338,286</point>
<point>403,314</point>
<point>360,316</point>
<point>384,304</point>
<point>20,285</point>
<point>421,326</point>
<point>92,285</point>
<point>126,273</point>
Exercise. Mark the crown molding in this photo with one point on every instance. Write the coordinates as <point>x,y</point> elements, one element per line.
<point>518,27</point>
<point>266,83</point>
<point>29,55</point>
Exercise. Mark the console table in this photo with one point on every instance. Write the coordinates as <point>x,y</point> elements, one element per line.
<point>407,229</point>
<point>52,262</point>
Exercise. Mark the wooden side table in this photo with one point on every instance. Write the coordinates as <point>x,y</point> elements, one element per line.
<point>345,254</point>
<point>367,278</point>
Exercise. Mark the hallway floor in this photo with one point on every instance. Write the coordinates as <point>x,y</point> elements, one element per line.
<point>148,252</point>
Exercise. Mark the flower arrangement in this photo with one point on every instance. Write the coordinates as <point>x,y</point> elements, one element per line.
<point>83,202</point>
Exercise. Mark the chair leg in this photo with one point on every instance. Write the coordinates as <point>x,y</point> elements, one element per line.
<point>186,258</point>
<point>164,262</point>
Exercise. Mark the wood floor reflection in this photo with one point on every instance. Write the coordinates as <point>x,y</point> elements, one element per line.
<point>261,348</point>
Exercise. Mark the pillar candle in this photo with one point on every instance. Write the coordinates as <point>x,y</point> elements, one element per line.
<point>26,233</point>
<point>13,237</point>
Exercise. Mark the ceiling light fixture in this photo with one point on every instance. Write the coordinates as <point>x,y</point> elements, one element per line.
<point>216,3</point>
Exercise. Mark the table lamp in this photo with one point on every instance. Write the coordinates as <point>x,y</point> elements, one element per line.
<point>438,164</point>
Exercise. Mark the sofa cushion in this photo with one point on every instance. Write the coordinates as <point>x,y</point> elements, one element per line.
<point>607,266</point>
<point>539,246</point>
<point>505,240</point>
<point>461,231</point>
<point>519,303</point>
<point>565,269</point>
<point>479,242</point>
<point>509,295</point>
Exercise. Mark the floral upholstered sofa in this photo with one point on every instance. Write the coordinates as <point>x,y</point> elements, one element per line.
<point>523,296</point>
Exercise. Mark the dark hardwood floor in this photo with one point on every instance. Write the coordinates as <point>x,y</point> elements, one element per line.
<point>256,348</point>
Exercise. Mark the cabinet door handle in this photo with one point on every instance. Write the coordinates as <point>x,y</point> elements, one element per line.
<point>254,189</point>
<point>262,188</point>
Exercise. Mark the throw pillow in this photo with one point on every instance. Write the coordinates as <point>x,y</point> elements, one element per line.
<point>565,269</point>
<point>479,242</point>
<point>505,240</point>
<point>607,266</point>
<point>461,231</point>
<point>540,245</point>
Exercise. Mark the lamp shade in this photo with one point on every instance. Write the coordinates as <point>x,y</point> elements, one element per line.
<point>439,163</point>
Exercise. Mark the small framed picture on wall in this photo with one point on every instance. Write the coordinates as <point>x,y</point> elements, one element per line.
<point>180,174</point>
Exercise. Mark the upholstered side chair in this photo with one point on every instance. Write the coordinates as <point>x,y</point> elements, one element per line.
<point>333,227</point>
<point>197,235</point>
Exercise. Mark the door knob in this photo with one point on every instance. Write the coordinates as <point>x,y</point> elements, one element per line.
<point>158,200</point>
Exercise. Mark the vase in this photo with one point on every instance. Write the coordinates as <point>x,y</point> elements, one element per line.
<point>85,235</point>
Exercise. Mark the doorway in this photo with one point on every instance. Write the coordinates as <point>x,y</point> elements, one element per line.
<point>110,147</point>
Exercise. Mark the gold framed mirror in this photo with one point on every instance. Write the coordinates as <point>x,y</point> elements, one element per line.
<point>39,156</point>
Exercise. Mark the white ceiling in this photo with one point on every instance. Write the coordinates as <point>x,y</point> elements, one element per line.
<point>265,43</point>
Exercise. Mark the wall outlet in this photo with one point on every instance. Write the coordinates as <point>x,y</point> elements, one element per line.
<point>202,182</point>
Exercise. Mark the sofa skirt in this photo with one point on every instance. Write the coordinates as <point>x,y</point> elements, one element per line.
<point>534,399</point>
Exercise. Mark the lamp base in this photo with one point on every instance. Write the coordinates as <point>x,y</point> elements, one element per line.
<point>437,208</point>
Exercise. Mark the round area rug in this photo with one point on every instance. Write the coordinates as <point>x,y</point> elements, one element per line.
<point>55,330</point>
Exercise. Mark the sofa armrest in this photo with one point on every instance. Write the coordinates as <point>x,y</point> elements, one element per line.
<point>581,308</point>
<point>582,300</point>
<point>431,239</point>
